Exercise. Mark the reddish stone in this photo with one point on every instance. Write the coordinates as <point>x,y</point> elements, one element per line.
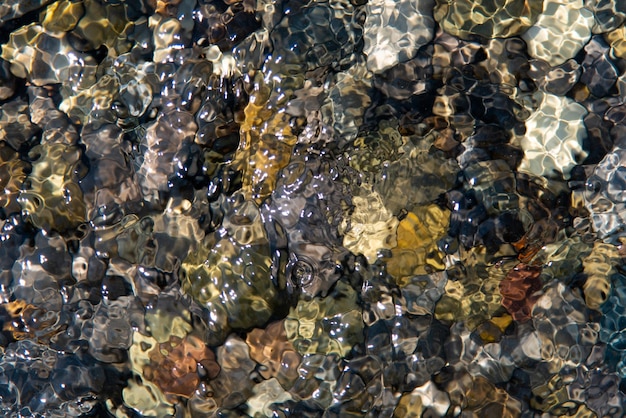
<point>271,348</point>
<point>519,289</point>
<point>174,365</point>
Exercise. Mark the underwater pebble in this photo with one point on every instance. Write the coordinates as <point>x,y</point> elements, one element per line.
<point>371,227</point>
<point>302,218</point>
<point>16,128</point>
<point>142,395</point>
<point>556,80</point>
<point>266,393</point>
<point>175,365</point>
<point>554,137</point>
<point>13,9</point>
<point>519,291</point>
<point>111,330</point>
<point>12,175</point>
<point>617,40</point>
<point>271,348</point>
<point>54,200</point>
<point>43,57</point>
<point>417,250</point>
<point>12,235</point>
<point>162,141</point>
<point>7,80</point>
<point>317,377</point>
<point>603,194</point>
<point>394,31</point>
<point>111,185</point>
<point>229,275</point>
<point>326,325</point>
<point>262,155</point>
<point>346,102</point>
<point>608,14</point>
<point>472,295</point>
<point>599,266</point>
<point>561,30</point>
<point>407,181</point>
<point>599,72</point>
<point>235,382</point>
<point>46,382</point>
<point>470,19</point>
<point>422,399</point>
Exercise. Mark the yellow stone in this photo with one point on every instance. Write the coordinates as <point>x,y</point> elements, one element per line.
<point>102,25</point>
<point>410,406</point>
<point>63,16</point>
<point>266,143</point>
<point>417,236</point>
<point>617,40</point>
<point>502,322</point>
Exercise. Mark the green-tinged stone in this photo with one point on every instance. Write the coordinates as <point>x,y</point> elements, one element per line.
<point>333,324</point>
<point>53,200</point>
<point>230,273</point>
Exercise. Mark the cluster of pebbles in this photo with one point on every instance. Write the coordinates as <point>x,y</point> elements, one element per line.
<point>312,208</point>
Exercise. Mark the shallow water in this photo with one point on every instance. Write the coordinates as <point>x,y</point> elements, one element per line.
<point>312,208</point>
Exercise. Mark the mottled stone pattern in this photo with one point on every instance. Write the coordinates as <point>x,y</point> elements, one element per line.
<point>469,19</point>
<point>394,31</point>
<point>54,199</point>
<point>561,30</point>
<point>554,137</point>
<point>333,208</point>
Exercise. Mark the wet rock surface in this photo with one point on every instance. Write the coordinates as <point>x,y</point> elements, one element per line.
<point>312,208</point>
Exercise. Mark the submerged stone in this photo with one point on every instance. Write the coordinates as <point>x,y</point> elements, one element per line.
<point>394,31</point>
<point>312,208</point>
<point>54,200</point>
<point>326,325</point>
<point>554,137</point>
<point>562,29</point>
<point>469,19</point>
<point>230,274</point>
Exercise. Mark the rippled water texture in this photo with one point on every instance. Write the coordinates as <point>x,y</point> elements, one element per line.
<point>344,208</point>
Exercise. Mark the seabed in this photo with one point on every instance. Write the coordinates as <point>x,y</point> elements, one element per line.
<point>344,208</point>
